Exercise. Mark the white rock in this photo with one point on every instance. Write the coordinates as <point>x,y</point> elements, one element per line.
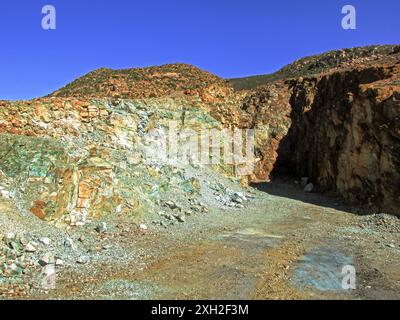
<point>13,267</point>
<point>45,241</point>
<point>83,260</point>
<point>102,228</point>
<point>49,270</point>
<point>11,235</point>
<point>240,195</point>
<point>59,262</point>
<point>6,194</point>
<point>143,227</point>
<point>30,248</point>
<point>172,205</point>
<point>47,259</point>
<point>118,209</point>
<point>238,200</point>
<point>69,243</point>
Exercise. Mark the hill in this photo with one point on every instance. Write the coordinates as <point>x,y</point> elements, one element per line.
<point>137,83</point>
<point>313,65</point>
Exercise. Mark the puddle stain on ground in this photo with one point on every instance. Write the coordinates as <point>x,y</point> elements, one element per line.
<point>321,269</point>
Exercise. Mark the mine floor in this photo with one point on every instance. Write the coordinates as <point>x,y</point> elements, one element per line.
<point>286,244</point>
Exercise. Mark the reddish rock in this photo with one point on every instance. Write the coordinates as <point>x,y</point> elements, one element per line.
<point>38,209</point>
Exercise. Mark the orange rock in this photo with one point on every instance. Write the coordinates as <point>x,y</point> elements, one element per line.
<point>85,190</point>
<point>38,209</point>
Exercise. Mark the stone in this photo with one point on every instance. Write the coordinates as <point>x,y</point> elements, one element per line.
<point>309,187</point>
<point>59,262</point>
<point>38,209</point>
<point>83,260</point>
<point>172,205</point>
<point>238,200</point>
<point>30,248</point>
<point>181,219</point>
<point>85,190</point>
<point>304,182</point>
<point>102,228</point>
<point>14,268</point>
<point>143,227</point>
<point>45,241</point>
<point>188,213</point>
<point>10,236</point>
<point>6,194</point>
<point>240,195</point>
<point>69,243</point>
<point>48,258</point>
<point>49,270</point>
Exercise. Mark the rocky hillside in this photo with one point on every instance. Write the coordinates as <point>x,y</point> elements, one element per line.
<point>338,128</point>
<point>81,151</point>
<point>139,83</point>
<point>313,65</point>
<point>69,160</point>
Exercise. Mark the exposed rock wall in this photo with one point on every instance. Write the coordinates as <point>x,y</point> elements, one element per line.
<point>333,118</point>
<point>345,134</point>
<point>72,159</point>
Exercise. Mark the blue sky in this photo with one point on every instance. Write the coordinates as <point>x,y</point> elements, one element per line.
<point>231,38</point>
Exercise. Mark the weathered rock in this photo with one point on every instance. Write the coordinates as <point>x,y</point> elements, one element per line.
<point>309,187</point>
<point>102,228</point>
<point>304,182</point>
<point>59,262</point>
<point>45,241</point>
<point>30,248</point>
<point>83,260</point>
<point>345,135</point>
<point>48,258</point>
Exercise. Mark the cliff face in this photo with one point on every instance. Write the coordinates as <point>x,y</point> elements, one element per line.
<point>70,160</point>
<point>345,134</point>
<point>333,119</point>
<point>80,152</point>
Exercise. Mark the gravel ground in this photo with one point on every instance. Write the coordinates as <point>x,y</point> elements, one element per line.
<point>284,244</point>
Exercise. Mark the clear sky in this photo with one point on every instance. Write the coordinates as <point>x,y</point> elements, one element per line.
<point>231,38</point>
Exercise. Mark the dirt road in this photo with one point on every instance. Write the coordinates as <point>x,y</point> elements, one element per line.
<point>285,245</point>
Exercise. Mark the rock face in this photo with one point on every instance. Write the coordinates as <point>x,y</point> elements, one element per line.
<point>80,152</point>
<point>333,118</point>
<point>345,134</point>
<point>74,159</point>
